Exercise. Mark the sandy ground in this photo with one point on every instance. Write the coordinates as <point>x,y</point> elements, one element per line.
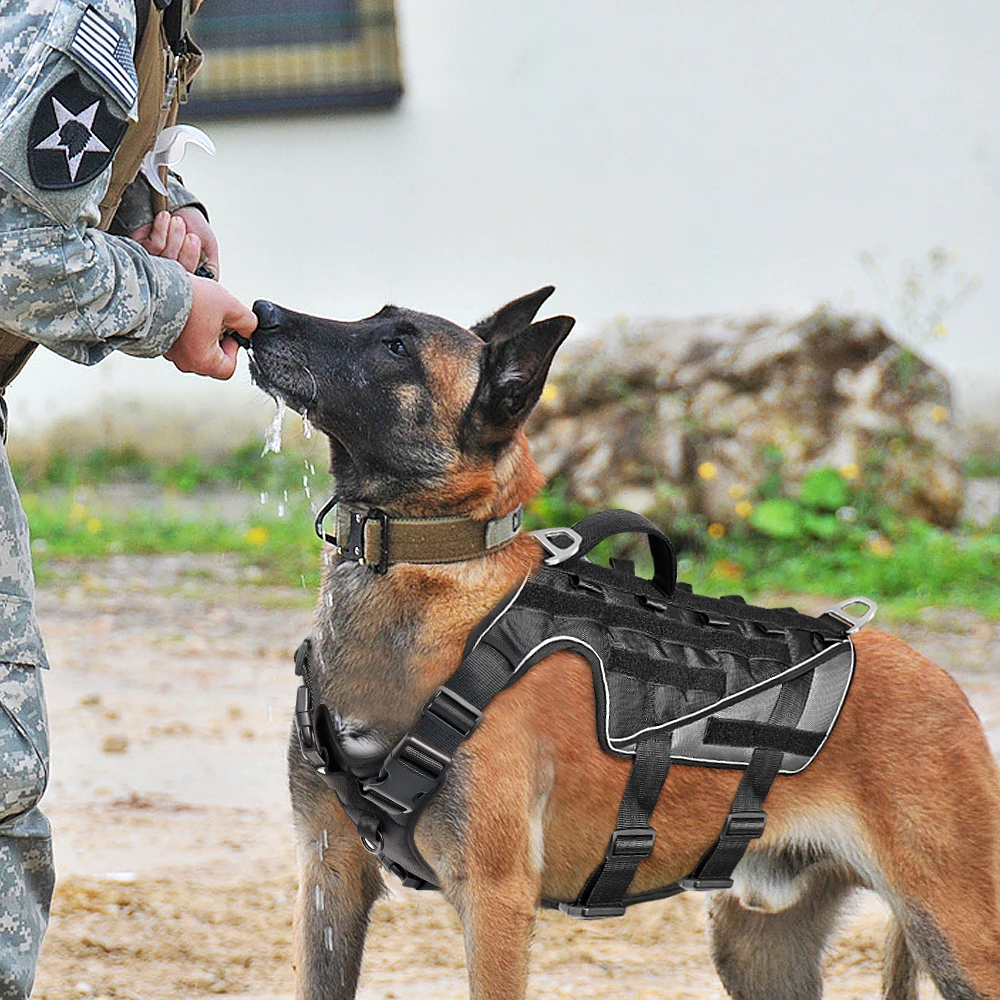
<point>170,701</point>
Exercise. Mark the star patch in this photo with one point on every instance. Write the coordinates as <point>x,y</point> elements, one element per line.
<point>72,137</point>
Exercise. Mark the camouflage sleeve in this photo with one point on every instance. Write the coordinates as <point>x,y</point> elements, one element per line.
<point>67,92</point>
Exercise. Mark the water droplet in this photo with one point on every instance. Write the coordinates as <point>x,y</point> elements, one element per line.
<point>282,510</point>
<point>329,939</point>
<point>326,839</point>
<point>272,440</point>
<point>319,898</point>
<point>307,427</point>
<point>329,599</point>
<point>263,497</point>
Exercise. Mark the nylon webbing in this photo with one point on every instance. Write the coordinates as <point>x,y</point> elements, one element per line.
<point>633,838</point>
<point>746,819</point>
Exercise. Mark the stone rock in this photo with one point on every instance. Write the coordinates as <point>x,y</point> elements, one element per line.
<point>691,417</point>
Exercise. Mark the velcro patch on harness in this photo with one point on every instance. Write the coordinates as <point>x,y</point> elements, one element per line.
<point>707,671</point>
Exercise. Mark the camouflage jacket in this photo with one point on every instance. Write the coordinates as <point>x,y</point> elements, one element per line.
<point>67,91</point>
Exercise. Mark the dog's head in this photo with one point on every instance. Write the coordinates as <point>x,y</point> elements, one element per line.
<point>410,402</point>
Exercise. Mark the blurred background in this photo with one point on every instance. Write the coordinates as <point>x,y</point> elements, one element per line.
<point>649,159</point>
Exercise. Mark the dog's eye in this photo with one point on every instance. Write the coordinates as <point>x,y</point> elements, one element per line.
<point>397,347</point>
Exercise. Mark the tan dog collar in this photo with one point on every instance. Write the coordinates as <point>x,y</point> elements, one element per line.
<point>372,537</point>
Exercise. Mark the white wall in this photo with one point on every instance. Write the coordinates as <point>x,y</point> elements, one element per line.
<point>647,157</point>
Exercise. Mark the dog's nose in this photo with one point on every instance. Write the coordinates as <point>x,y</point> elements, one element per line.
<point>269,316</point>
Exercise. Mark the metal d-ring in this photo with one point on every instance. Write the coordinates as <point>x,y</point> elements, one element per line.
<point>855,623</point>
<point>373,846</point>
<point>558,553</point>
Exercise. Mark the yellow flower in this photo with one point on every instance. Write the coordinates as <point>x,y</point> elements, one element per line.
<point>257,535</point>
<point>880,546</point>
<point>939,414</point>
<point>744,508</point>
<point>93,525</point>
<point>727,569</point>
<point>707,470</point>
<point>716,530</point>
<point>737,492</point>
<point>850,471</point>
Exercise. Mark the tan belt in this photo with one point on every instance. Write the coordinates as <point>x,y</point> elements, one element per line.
<point>372,537</point>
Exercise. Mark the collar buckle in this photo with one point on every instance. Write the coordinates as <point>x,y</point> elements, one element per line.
<point>351,537</point>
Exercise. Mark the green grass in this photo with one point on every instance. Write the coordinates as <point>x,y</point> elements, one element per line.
<point>284,548</point>
<point>905,566</point>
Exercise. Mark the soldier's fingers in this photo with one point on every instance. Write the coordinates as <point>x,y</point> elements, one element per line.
<point>220,364</point>
<point>190,253</point>
<point>176,231</point>
<point>141,234</point>
<point>156,241</point>
<point>240,319</point>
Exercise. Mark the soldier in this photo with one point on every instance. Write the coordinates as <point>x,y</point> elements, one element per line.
<point>84,92</point>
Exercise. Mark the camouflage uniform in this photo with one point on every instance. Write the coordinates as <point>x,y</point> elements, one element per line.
<point>82,293</point>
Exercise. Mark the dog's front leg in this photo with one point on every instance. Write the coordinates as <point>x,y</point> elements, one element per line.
<point>338,883</point>
<point>498,918</point>
<point>498,860</point>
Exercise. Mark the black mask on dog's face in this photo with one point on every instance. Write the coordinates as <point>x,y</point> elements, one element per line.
<point>403,395</point>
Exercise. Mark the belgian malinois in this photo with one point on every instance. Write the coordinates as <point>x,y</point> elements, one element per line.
<point>425,419</point>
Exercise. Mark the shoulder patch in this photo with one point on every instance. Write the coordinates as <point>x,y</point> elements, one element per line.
<point>101,49</point>
<point>72,137</point>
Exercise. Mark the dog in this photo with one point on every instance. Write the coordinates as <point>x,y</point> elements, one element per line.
<point>425,419</point>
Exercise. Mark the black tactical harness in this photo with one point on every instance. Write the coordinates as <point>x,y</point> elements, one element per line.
<point>679,678</point>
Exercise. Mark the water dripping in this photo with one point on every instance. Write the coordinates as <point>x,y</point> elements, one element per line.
<point>307,427</point>
<point>319,898</point>
<point>272,440</point>
<point>329,938</point>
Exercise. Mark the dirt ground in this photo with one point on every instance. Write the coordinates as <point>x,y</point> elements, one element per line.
<point>170,700</point>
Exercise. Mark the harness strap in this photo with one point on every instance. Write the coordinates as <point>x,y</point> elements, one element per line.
<point>746,819</point>
<point>604,892</point>
<point>564,544</point>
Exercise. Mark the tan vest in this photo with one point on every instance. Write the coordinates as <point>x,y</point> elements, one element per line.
<point>163,82</point>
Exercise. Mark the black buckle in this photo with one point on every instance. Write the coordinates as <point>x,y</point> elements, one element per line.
<point>411,771</point>
<point>592,912</point>
<point>409,880</point>
<point>305,730</point>
<point>354,549</point>
<point>454,711</point>
<point>744,825</point>
<point>631,842</point>
<point>692,883</point>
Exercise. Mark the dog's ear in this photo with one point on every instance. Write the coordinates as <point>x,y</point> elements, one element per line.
<point>513,317</point>
<point>513,370</point>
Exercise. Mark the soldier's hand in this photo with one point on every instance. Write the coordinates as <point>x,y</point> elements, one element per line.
<point>203,347</point>
<point>169,236</point>
<point>198,225</point>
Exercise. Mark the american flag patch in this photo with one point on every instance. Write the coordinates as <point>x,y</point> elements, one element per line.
<point>101,49</point>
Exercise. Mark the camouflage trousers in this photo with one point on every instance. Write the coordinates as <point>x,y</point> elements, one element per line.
<point>27,875</point>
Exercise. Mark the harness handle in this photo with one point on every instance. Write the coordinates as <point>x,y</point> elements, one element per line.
<point>596,527</point>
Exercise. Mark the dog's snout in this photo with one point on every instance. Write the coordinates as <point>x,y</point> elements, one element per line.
<point>269,316</point>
